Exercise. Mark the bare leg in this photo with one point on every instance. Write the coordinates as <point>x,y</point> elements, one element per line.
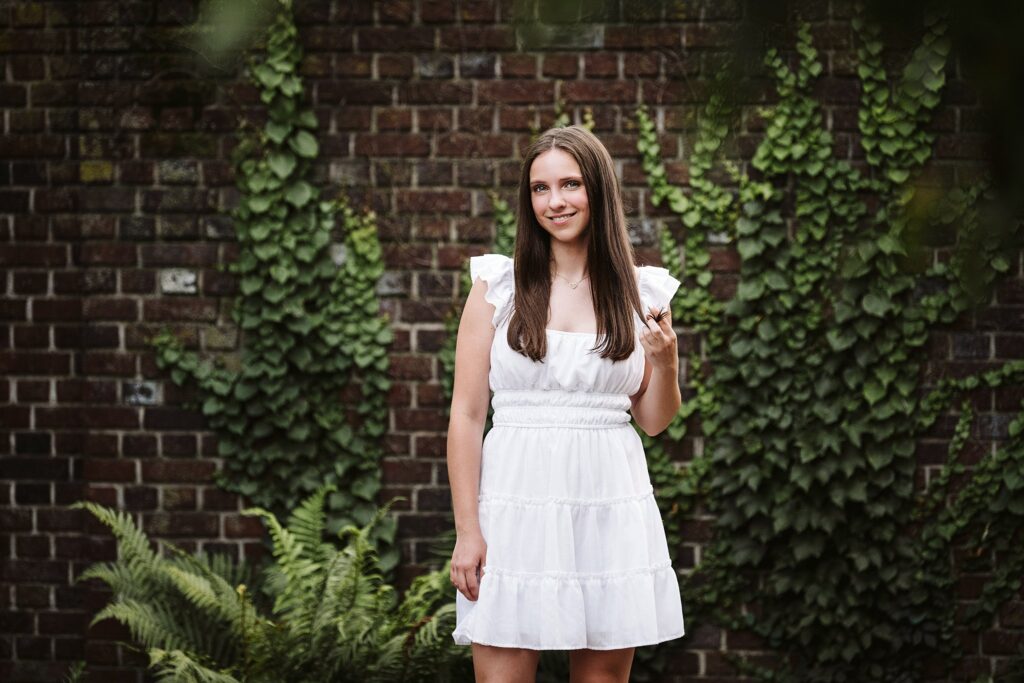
<point>600,666</point>
<point>504,664</point>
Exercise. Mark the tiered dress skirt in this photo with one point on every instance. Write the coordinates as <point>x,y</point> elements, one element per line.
<point>576,549</point>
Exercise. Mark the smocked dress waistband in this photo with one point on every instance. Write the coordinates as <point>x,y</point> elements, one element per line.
<point>559,408</point>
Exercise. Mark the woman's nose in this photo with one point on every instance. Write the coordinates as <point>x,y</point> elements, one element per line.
<point>556,199</point>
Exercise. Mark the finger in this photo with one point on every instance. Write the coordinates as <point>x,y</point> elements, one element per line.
<point>473,583</point>
<point>464,585</point>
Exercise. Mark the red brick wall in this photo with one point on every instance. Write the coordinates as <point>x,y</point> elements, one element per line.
<point>115,168</point>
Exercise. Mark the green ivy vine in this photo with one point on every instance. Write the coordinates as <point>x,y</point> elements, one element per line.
<point>807,384</point>
<point>304,405</point>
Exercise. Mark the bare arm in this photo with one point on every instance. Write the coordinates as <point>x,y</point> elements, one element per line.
<point>470,397</point>
<point>656,403</point>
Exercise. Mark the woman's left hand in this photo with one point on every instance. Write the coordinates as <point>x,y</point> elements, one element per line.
<point>659,340</point>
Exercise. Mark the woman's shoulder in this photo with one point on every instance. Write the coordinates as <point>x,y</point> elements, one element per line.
<point>497,271</point>
<point>657,285</point>
<point>492,268</point>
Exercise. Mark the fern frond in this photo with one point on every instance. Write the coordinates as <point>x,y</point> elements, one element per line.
<point>151,627</point>
<point>308,521</point>
<point>425,594</point>
<point>176,666</point>
<point>75,672</point>
<point>129,581</point>
<point>299,573</point>
<point>132,545</point>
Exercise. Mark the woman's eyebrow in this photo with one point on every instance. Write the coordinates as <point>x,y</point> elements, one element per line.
<point>571,177</point>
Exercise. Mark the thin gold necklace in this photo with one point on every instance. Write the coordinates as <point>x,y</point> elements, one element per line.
<point>574,285</point>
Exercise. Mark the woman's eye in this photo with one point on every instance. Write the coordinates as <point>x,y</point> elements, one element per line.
<point>538,188</point>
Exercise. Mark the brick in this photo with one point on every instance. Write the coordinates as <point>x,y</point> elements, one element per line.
<point>177,471</point>
<point>180,524</point>
<point>109,470</point>
<point>107,254</point>
<point>435,93</point>
<point>462,145</point>
<point>34,255</point>
<point>560,65</point>
<point>395,39</point>
<point>476,38</point>
<point>31,363</point>
<point>445,201</point>
<point>598,91</point>
<point>513,92</point>
<point>392,144</point>
<point>91,417</point>
<point>239,526</point>
<point>650,38</point>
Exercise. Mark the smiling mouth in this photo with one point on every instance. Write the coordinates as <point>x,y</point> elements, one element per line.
<point>563,218</point>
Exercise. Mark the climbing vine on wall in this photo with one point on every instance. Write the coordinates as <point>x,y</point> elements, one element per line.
<point>306,405</point>
<point>808,391</point>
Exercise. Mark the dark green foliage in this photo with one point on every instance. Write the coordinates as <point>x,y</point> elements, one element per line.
<point>311,331</point>
<point>808,390</point>
<point>318,613</point>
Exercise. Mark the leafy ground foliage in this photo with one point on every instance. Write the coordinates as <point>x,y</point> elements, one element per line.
<point>312,335</point>
<point>808,393</point>
<point>319,613</point>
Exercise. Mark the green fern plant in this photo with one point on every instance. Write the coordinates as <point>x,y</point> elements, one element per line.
<point>318,612</point>
<point>76,673</point>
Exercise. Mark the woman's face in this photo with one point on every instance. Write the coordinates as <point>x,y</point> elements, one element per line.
<point>559,198</point>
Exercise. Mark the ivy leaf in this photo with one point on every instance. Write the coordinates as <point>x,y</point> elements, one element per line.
<point>876,305</point>
<point>282,163</point>
<point>879,458</point>
<point>304,144</point>
<point>274,292</point>
<point>249,285</point>
<point>840,338</point>
<point>873,391</point>
<point>750,289</point>
<point>244,391</point>
<point>260,231</point>
<point>365,488</point>
<point>808,545</point>
<point>775,280</point>
<point>889,244</point>
<point>342,435</point>
<point>749,248</point>
<point>299,431</point>
<point>278,131</point>
<point>746,226</point>
<point>258,204</point>
<point>299,194</point>
<point>898,175</point>
<point>268,76</point>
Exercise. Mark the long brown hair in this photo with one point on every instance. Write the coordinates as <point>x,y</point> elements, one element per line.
<point>610,257</point>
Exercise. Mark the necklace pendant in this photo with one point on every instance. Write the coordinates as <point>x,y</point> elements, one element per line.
<point>574,286</point>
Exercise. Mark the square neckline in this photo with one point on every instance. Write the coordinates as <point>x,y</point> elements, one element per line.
<point>548,329</point>
<point>636,269</point>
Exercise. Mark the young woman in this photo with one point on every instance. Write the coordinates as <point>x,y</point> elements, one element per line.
<point>560,543</point>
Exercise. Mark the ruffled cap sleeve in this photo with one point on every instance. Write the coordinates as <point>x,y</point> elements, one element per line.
<point>497,271</point>
<point>657,287</point>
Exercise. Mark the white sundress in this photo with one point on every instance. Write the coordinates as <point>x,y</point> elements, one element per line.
<point>576,550</point>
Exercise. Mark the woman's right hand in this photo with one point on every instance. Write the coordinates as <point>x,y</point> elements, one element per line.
<point>468,560</point>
